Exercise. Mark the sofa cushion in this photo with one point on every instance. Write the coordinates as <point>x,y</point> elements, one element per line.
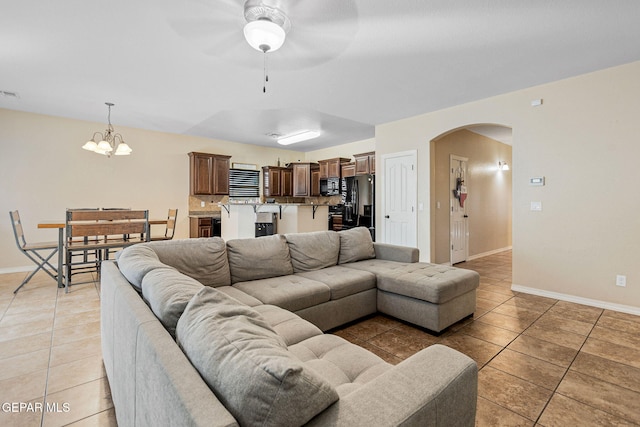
<point>291,292</point>
<point>167,291</point>
<point>259,258</point>
<point>376,266</point>
<point>344,365</point>
<point>428,282</point>
<point>290,327</point>
<point>239,295</point>
<point>355,245</point>
<point>313,251</point>
<point>204,259</point>
<point>342,281</point>
<point>136,261</point>
<point>247,365</point>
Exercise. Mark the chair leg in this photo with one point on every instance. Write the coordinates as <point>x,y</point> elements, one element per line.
<point>41,264</point>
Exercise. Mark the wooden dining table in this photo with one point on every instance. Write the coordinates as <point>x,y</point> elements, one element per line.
<point>60,225</point>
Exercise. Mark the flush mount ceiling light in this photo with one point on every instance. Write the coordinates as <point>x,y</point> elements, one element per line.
<point>108,141</point>
<point>266,29</point>
<point>300,136</point>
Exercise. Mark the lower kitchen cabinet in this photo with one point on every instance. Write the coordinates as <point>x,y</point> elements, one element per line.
<point>204,227</point>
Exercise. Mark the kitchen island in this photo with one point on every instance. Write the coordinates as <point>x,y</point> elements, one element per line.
<point>238,219</point>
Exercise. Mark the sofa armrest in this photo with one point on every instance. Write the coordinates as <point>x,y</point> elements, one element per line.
<point>396,253</point>
<point>437,386</point>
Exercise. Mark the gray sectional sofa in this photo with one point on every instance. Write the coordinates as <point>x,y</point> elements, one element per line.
<point>203,332</point>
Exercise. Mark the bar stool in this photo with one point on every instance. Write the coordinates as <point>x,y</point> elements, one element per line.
<point>32,250</point>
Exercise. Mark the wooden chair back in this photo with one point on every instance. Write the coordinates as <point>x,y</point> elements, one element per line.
<point>107,223</point>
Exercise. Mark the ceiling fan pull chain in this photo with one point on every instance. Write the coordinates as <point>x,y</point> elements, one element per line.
<point>265,72</point>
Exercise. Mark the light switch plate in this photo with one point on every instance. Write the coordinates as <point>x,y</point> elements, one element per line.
<point>536,206</point>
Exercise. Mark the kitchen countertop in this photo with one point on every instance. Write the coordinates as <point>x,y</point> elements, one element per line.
<point>204,214</point>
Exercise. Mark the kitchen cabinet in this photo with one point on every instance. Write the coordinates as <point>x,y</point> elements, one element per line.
<point>271,181</point>
<point>364,162</point>
<point>286,183</point>
<point>331,168</point>
<point>315,181</point>
<point>302,179</point>
<point>204,227</point>
<point>208,174</point>
<point>348,169</point>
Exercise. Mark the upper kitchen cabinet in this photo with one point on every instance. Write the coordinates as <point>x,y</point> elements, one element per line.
<point>286,182</point>
<point>302,179</point>
<point>209,174</point>
<point>365,163</point>
<point>331,168</point>
<point>348,169</point>
<point>271,180</point>
<point>315,181</point>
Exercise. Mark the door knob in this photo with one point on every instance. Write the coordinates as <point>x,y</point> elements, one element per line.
<point>386,216</point>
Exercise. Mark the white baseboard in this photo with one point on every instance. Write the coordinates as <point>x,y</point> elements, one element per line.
<point>493,252</point>
<point>20,269</point>
<point>578,300</point>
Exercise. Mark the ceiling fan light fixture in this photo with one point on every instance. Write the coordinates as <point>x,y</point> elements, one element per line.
<point>304,135</point>
<point>264,35</point>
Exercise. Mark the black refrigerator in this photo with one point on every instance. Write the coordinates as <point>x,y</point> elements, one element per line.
<point>358,195</point>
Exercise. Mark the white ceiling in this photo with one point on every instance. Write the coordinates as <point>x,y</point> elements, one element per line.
<point>182,66</point>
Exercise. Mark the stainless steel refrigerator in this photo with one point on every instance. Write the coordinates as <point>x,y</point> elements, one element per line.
<point>358,193</point>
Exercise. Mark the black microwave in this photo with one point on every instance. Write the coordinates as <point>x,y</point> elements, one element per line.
<point>330,187</point>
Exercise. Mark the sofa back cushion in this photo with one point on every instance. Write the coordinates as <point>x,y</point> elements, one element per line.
<point>136,261</point>
<point>259,258</point>
<point>313,251</point>
<point>167,291</point>
<point>247,365</point>
<point>203,259</point>
<point>355,245</point>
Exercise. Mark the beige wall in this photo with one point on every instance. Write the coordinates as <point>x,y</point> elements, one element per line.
<point>345,150</point>
<point>584,140</point>
<point>489,201</point>
<point>43,171</point>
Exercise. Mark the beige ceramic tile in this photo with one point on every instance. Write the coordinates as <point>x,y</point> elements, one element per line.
<point>522,301</point>
<point>103,419</point>
<point>616,352</point>
<point>528,368</point>
<point>521,397</point>
<point>622,316</point>
<point>607,397</point>
<point>489,414</point>
<point>556,336</point>
<point>479,350</point>
<point>24,345</point>
<point>23,388</point>
<point>75,333</point>
<point>563,412</point>
<point>29,415</point>
<point>64,320</point>
<point>75,350</point>
<point>607,370</point>
<point>492,296</point>
<point>544,350</point>
<point>519,312</point>
<point>492,334</point>
<point>82,401</point>
<point>615,323</point>
<point>627,339</point>
<point>24,364</point>
<point>551,320</point>
<point>506,322</point>
<point>75,373</point>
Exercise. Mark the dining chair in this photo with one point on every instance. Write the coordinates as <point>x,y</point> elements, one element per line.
<point>32,251</point>
<point>171,226</point>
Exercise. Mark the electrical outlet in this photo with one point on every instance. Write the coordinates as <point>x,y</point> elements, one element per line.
<point>621,280</point>
<point>202,204</point>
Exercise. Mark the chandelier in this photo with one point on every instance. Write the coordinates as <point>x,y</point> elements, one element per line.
<point>109,141</point>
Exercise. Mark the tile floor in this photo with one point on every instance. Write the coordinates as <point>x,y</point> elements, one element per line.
<point>542,361</point>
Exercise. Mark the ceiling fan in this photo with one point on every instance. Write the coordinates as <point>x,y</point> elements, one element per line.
<point>315,31</point>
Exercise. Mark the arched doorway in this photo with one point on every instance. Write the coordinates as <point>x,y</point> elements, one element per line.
<point>471,193</point>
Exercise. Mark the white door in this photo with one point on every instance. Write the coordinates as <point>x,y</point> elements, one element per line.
<point>459,235</point>
<point>399,203</point>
